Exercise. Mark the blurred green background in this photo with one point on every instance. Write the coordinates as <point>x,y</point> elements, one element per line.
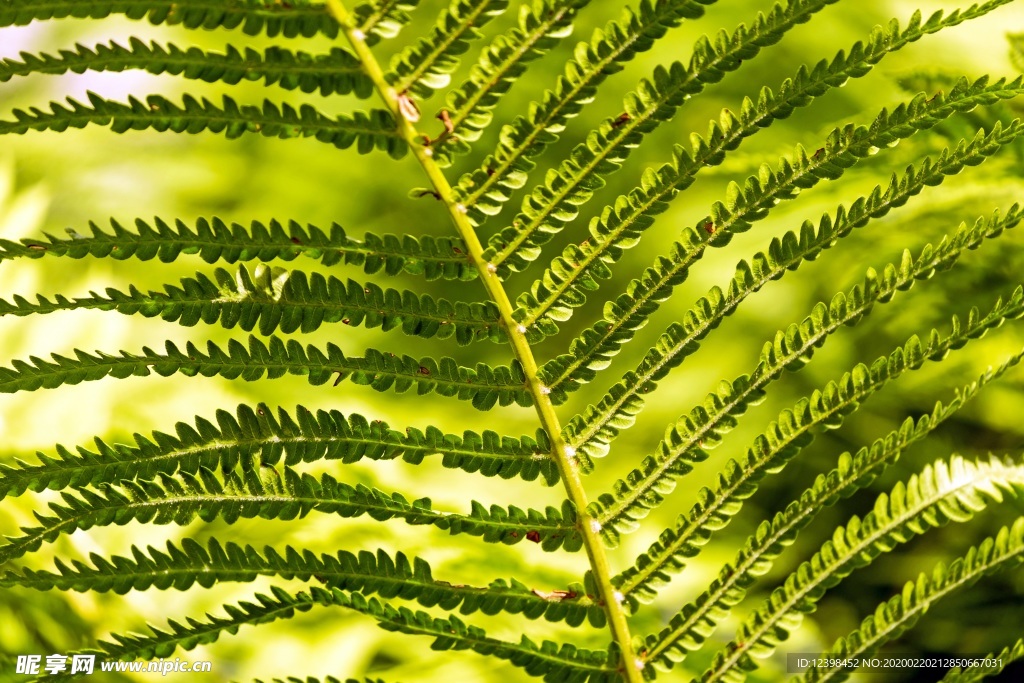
<point>50,182</point>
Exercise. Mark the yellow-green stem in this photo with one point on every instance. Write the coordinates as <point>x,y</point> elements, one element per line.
<point>567,465</point>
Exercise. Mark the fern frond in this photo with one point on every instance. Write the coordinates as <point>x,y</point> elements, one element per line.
<point>275,299</point>
<point>367,131</point>
<point>336,72</point>
<point>624,315</point>
<point>270,494</point>
<point>470,107</point>
<point>791,349</point>
<point>369,573</point>
<point>484,191</point>
<point>484,386</point>
<point>788,435</point>
<point>422,68</point>
<point>578,270</point>
<point>752,200</point>
<point>383,18</point>
<point>280,604</point>
<point>688,629</point>
<point>554,203</point>
<point>941,493</point>
<point>556,663</point>
<point>303,436</point>
<point>901,612</point>
<point>253,17</point>
<point>1003,658</point>
<point>214,240</point>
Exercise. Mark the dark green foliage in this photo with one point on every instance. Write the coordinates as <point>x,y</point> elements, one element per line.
<point>366,131</point>
<point>691,625</point>
<point>282,300</point>
<point>270,493</point>
<point>943,493</point>
<point>470,107</point>
<point>424,67</point>
<point>253,17</point>
<point>1003,658</point>
<point>552,205</point>
<point>791,349</point>
<point>304,437</point>
<point>436,296</point>
<point>901,612</point>
<point>563,286</point>
<point>214,240</point>
<point>383,18</point>
<point>410,579</point>
<point>630,311</point>
<point>788,435</point>
<point>484,386</point>
<point>485,190</point>
<point>565,663</point>
<point>335,72</point>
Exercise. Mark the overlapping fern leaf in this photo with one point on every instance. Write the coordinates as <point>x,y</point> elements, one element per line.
<point>404,311</point>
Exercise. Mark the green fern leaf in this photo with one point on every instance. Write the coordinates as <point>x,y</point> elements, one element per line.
<point>484,191</point>
<point>261,464</point>
<point>485,386</point>
<point>470,107</point>
<point>270,494</point>
<point>900,613</point>
<point>597,426</point>
<point>253,17</point>
<point>275,299</point>
<point>369,573</point>
<point>383,18</point>
<point>941,493</point>
<point>1008,655</point>
<point>556,663</point>
<point>578,270</point>
<point>336,72</point>
<point>214,240</point>
<point>551,205</point>
<point>367,131</point>
<point>773,449</point>
<point>624,315</point>
<point>791,349</point>
<point>292,438</point>
<point>689,628</point>
<point>426,66</point>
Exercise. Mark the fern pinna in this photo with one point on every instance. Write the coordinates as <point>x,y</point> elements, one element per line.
<point>501,175</point>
